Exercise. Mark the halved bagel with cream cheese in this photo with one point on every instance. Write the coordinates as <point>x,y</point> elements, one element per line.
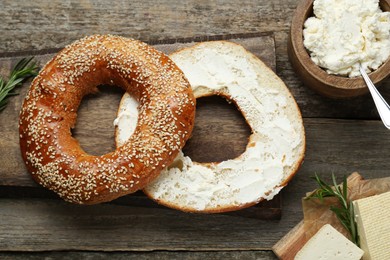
<point>275,149</point>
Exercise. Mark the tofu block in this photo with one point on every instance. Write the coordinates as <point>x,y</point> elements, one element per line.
<point>372,216</point>
<point>329,244</point>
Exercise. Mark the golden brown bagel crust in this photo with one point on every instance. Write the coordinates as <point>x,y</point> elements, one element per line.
<point>166,117</point>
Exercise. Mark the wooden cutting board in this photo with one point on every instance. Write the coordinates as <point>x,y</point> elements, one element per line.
<point>317,214</point>
<point>291,243</point>
<point>220,130</point>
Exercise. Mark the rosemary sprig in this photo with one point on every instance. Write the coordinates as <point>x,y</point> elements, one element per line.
<point>345,213</point>
<point>24,69</point>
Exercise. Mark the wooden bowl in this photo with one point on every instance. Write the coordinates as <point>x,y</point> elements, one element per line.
<point>315,77</point>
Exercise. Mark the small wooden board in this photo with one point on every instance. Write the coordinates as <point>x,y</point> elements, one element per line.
<point>291,243</point>
<point>220,130</point>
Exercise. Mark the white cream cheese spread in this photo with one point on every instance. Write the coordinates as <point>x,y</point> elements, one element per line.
<point>343,34</point>
<point>127,118</point>
<point>275,147</point>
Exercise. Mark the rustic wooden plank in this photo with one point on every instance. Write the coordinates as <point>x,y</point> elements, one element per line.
<point>291,243</point>
<point>265,210</point>
<point>45,24</point>
<point>51,225</point>
<point>221,137</point>
<point>53,23</point>
<point>340,146</point>
<point>334,146</point>
<point>161,255</point>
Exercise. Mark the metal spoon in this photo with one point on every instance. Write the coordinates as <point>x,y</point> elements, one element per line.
<point>380,102</point>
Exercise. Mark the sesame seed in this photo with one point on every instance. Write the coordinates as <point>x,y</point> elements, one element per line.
<point>75,72</point>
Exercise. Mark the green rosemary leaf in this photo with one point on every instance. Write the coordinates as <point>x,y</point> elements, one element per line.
<point>354,232</point>
<point>335,185</point>
<point>22,64</point>
<point>345,213</point>
<point>24,69</point>
<point>325,186</point>
<point>12,83</point>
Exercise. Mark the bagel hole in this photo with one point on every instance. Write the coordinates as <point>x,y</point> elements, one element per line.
<point>94,129</point>
<point>220,132</point>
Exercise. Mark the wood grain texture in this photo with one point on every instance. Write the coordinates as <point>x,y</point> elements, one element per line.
<point>265,210</point>
<point>342,136</point>
<point>161,255</point>
<point>333,147</point>
<point>287,247</point>
<point>52,225</point>
<point>53,24</point>
<point>43,24</point>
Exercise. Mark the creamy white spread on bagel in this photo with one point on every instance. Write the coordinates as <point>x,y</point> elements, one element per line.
<point>343,34</point>
<point>275,148</point>
<point>127,117</point>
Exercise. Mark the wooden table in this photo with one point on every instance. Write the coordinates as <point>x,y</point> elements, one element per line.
<point>342,136</point>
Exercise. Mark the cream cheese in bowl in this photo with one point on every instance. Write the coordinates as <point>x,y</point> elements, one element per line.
<point>343,34</point>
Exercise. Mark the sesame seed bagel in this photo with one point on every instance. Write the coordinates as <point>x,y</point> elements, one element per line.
<point>275,148</point>
<point>166,117</point>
